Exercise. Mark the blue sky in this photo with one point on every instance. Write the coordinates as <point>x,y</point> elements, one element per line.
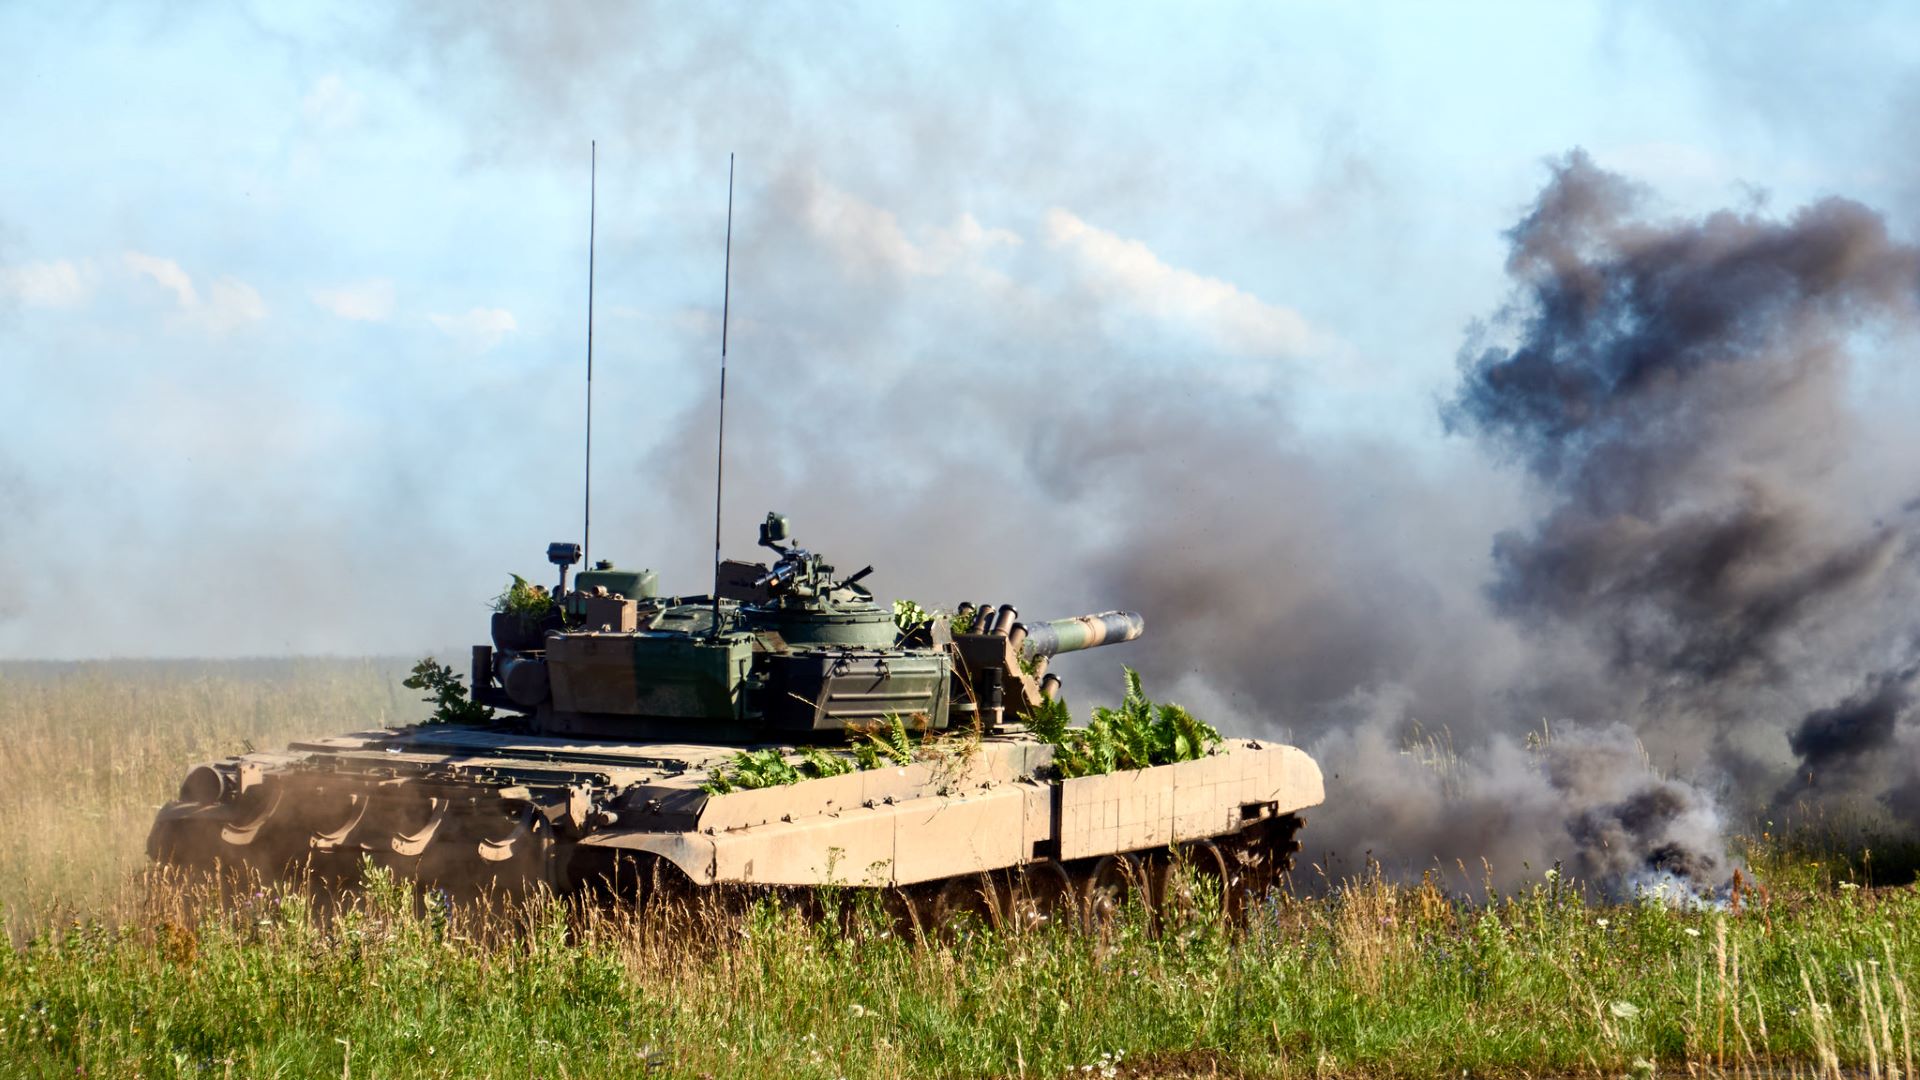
<point>292,298</point>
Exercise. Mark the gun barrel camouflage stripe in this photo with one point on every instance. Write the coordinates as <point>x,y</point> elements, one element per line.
<point>1058,636</point>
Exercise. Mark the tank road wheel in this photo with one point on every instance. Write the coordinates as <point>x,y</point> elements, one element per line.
<point>402,828</point>
<point>1042,895</point>
<point>331,818</point>
<point>1113,881</point>
<point>1259,856</point>
<point>494,852</point>
<point>275,843</point>
<point>1191,885</point>
<point>965,907</point>
<point>1278,842</point>
<point>248,832</point>
<point>516,851</point>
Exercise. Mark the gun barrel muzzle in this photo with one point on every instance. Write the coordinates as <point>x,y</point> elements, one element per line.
<point>1058,636</point>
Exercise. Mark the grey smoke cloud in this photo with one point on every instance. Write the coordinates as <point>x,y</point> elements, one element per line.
<point>1582,799</point>
<point>1325,590</point>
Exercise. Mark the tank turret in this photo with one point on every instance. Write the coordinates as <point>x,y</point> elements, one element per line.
<point>787,648</point>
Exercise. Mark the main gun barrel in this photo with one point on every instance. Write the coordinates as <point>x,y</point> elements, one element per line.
<point>1058,636</point>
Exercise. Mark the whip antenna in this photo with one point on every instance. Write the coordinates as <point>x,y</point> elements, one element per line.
<point>720,452</point>
<point>586,508</point>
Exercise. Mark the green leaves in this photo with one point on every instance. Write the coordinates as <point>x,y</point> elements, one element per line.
<point>447,694</point>
<point>817,762</point>
<point>890,745</point>
<point>1051,720</point>
<point>753,769</point>
<point>523,599</point>
<point>963,622</point>
<point>909,616</point>
<point>1137,735</point>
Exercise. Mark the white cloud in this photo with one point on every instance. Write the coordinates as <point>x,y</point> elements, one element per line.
<point>359,301</point>
<point>865,236</point>
<point>229,303</point>
<point>1129,271</point>
<point>166,273</point>
<point>479,329</point>
<point>57,284</point>
<point>1124,273</point>
<point>331,105</point>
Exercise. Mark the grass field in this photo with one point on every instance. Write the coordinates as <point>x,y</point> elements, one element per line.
<point>111,975</point>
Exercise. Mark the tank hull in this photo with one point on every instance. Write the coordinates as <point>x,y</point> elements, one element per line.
<point>477,809</point>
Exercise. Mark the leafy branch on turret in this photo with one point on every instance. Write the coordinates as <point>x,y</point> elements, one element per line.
<point>523,599</point>
<point>447,694</point>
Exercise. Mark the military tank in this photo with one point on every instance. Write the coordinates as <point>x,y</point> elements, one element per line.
<point>628,729</point>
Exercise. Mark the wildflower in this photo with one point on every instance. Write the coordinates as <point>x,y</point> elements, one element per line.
<point>1624,1010</point>
<point>1849,885</point>
<point>1601,923</point>
<point>1692,932</point>
<point>857,1010</point>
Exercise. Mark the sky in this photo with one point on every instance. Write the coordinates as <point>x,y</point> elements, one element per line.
<point>293,297</point>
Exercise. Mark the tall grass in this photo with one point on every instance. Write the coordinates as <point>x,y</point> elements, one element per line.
<point>117,972</point>
<point>1375,980</point>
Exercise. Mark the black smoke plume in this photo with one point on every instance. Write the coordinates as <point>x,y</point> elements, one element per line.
<point>1680,393</point>
<point>1859,751</point>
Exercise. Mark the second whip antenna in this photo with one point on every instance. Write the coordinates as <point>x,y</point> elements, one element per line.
<point>586,507</point>
<point>720,451</point>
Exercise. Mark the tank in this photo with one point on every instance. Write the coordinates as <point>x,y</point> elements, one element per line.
<point>782,731</point>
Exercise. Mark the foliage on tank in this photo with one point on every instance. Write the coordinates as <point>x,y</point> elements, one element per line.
<point>1137,735</point>
<point>752,769</point>
<point>886,745</point>
<point>524,599</point>
<point>447,694</point>
<point>909,616</point>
